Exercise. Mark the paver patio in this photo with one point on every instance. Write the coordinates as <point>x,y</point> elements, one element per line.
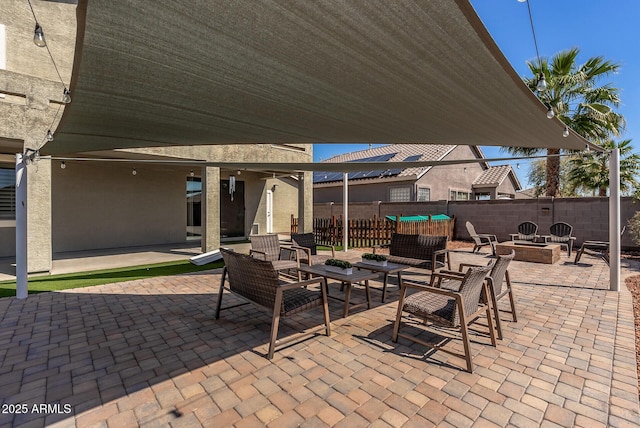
<point>150,353</point>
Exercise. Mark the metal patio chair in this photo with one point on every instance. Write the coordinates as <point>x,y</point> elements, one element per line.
<point>527,231</point>
<point>481,239</point>
<point>446,308</point>
<point>258,282</point>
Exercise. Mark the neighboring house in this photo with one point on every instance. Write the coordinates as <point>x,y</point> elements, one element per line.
<point>87,205</point>
<point>529,193</point>
<point>466,181</point>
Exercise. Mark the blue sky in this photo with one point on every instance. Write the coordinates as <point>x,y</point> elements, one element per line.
<point>598,28</point>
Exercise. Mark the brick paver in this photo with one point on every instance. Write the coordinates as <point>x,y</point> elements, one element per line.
<point>150,353</point>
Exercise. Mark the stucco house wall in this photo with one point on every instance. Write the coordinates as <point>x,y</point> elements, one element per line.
<point>97,205</point>
<point>442,179</point>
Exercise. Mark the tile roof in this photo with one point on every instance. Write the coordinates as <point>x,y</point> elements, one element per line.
<point>397,153</point>
<point>493,176</point>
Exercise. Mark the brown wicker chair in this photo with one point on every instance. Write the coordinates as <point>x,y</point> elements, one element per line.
<point>446,308</point>
<point>258,282</point>
<point>308,249</point>
<point>420,251</point>
<point>267,247</point>
<point>499,285</point>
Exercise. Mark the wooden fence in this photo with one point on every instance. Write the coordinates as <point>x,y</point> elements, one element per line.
<point>376,231</point>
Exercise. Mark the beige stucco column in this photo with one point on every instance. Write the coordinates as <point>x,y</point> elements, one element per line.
<point>210,208</point>
<point>305,202</point>
<point>39,216</point>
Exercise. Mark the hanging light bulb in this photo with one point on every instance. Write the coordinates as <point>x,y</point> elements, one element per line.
<point>134,172</point>
<point>63,165</point>
<point>518,166</point>
<point>550,113</point>
<point>49,136</point>
<point>565,133</point>
<point>66,96</point>
<point>542,83</point>
<point>191,173</point>
<point>38,36</point>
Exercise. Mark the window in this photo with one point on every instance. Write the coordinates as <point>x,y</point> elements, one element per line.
<point>483,196</point>
<point>400,194</point>
<point>424,194</point>
<point>458,195</point>
<point>7,194</point>
<point>463,196</point>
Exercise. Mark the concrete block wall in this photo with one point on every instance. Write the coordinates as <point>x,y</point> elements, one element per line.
<point>588,216</point>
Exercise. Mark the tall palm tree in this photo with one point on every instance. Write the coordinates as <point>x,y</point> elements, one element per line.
<point>591,170</point>
<point>577,99</point>
<point>537,176</point>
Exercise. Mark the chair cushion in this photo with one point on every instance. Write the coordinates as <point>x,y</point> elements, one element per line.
<point>436,308</point>
<point>298,300</point>
<point>410,261</point>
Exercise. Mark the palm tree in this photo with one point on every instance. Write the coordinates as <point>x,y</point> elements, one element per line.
<point>537,177</point>
<point>576,98</point>
<point>591,170</point>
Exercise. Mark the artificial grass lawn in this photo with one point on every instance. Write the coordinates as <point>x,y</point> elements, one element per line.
<point>41,284</point>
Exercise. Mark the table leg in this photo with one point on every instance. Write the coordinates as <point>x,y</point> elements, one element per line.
<point>347,295</point>
<point>366,287</point>
<point>384,286</point>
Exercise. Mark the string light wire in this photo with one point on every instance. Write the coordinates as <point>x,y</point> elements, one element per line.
<point>47,137</point>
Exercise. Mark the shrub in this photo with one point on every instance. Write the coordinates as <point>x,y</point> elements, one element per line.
<point>339,263</point>
<point>374,257</point>
<point>634,227</point>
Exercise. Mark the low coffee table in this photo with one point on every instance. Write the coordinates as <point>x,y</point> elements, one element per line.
<point>390,268</point>
<point>526,251</point>
<point>358,276</point>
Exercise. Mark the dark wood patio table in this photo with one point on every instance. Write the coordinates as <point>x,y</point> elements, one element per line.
<point>390,268</point>
<point>358,276</point>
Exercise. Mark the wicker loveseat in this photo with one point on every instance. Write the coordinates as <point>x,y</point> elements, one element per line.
<point>421,251</point>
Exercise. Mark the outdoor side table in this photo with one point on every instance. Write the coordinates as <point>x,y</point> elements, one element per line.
<point>357,276</point>
<point>390,268</point>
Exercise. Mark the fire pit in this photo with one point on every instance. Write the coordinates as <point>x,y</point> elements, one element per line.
<point>530,251</point>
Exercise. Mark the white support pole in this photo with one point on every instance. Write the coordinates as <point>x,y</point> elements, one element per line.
<point>21,228</point>
<point>614,220</point>
<point>345,208</point>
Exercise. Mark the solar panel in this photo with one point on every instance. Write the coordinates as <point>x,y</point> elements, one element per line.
<point>394,171</point>
<point>379,158</point>
<point>413,158</point>
<point>327,177</point>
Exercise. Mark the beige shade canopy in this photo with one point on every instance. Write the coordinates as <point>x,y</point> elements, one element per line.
<point>188,72</point>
